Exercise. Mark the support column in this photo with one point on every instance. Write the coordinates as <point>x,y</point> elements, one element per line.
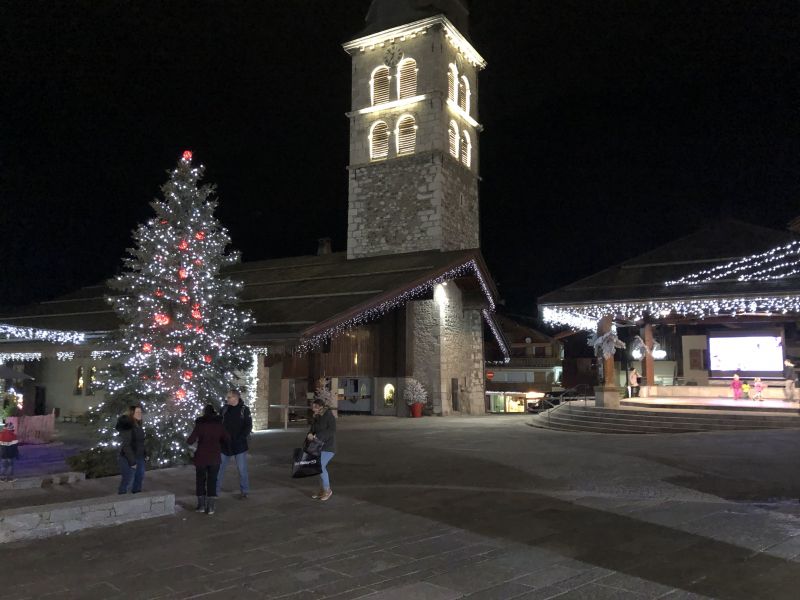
<point>607,395</point>
<point>648,364</point>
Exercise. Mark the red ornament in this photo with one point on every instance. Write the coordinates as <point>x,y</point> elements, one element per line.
<point>184,299</point>
<point>163,221</point>
<point>159,293</point>
<point>183,273</point>
<point>207,358</point>
<point>187,375</point>
<point>187,155</point>
<point>179,349</point>
<point>199,329</point>
<point>180,394</point>
<point>161,319</point>
<point>183,245</point>
<point>147,347</point>
<point>196,314</point>
<point>198,262</point>
<point>200,235</point>
<point>188,326</point>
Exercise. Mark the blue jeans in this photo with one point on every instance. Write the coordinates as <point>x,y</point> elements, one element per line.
<point>135,474</point>
<point>241,466</point>
<point>323,477</point>
<point>7,467</point>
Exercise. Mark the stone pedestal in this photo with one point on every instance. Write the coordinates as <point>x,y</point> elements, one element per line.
<point>607,397</point>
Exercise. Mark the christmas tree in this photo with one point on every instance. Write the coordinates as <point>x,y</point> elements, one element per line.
<point>178,346</point>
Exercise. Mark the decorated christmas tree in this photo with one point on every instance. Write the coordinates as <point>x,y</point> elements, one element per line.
<point>178,346</point>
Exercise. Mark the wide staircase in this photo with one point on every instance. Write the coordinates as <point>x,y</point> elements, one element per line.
<point>575,416</point>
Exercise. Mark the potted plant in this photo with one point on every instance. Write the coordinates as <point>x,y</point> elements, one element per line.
<point>415,396</point>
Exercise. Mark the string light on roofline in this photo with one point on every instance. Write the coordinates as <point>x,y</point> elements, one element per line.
<point>375,312</point>
<point>42,335</point>
<point>19,356</point>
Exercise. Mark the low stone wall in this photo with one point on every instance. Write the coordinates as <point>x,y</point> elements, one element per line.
<point>32,522</point>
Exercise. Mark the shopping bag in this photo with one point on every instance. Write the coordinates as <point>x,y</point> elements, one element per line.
<point>305,465</point>
<point>313,447</point>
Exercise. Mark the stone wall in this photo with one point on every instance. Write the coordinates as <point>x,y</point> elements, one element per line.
<point>33,522</point>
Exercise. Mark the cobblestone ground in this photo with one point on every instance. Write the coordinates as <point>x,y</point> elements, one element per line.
<point>480,508</point>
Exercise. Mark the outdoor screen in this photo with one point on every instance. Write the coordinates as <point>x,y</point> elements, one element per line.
<point>750,355</point>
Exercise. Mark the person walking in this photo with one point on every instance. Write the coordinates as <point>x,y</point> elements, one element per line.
<point>211,438</point>
<point>323,429</point>
<point>132,452</point>
<point>9,452</point>
<point>238,423</point>
<point>789,377</point>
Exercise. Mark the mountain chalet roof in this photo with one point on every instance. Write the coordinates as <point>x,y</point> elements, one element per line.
<point>644,277</point>
<point>290,298</point>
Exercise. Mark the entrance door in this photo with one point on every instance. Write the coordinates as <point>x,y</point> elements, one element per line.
<point>454,394</point>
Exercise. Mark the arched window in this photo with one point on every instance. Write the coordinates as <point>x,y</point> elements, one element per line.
<point>466,149</point>
<point>452,132</point>
<point>406,134</point>
<point>379,141</point>
<point>452,83</point>
<point>407,79</point>
<point>379,85</point>
<point>463,94</point>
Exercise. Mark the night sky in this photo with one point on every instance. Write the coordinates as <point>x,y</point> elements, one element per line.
<point>610,127</point>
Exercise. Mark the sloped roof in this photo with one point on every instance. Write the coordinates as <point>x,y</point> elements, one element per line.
<point>289,297</point>
<point>644,277</point>
<point>516,332</point>
<point>386,14</point>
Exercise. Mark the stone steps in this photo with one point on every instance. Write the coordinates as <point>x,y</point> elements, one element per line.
<point>603,420</point>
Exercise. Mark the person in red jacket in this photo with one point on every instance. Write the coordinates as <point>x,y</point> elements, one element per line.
<point>211,437</point>
<point>9,452</point>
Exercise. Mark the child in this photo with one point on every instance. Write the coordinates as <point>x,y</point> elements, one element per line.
<point>746,389</point>
<point>8,453</point>
<point>758,388</point>
<point>736,384</point>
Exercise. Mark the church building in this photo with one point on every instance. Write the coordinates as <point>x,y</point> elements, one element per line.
<point>410,297</point>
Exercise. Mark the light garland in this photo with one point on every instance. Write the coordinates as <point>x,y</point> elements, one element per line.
<point>777,263</point>
<point>585,317</point>
<point>100,354</point>
<point>378,311</point>
<point>42,335</point>
<point>19,356</point>
<point>65,355</point>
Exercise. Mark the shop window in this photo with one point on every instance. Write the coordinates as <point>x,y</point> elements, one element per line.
<point>452,133</point>
<point>379,141</point>
<point>80,381</point>
<point>406,134</point>
<point>407,79</point>
<point>379,85</point>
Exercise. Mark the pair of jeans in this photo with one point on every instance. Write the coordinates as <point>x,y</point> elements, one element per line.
<point>7,467</point>
<point>131,473</point>
<point>206,480</point>
<point>325,458</point>
<point>241,466</point>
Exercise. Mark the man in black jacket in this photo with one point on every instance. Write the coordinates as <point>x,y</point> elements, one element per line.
<point>239,424</point>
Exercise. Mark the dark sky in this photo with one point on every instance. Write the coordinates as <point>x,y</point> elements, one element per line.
<point>610,127</point>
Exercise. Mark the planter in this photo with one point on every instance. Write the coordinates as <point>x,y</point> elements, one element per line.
<point>416,410</point>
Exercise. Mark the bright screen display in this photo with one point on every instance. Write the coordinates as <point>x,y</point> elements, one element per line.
<point>752,355</point>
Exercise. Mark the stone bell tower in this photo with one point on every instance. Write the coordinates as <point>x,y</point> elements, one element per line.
<point>413,173</point>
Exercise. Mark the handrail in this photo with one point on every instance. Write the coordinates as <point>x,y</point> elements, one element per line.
<point>286,407</point>
<point>582,392</point>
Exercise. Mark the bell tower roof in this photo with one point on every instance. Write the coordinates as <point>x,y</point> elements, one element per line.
<point>385,14</point>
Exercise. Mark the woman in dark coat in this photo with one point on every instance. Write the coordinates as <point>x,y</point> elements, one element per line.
<point>323,429</point>
<point>211,437</point>
<point>132,451</point>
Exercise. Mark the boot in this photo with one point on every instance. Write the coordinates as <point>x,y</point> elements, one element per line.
<point>211,502</point>
<point>201,504</point>
<point>319,494</point>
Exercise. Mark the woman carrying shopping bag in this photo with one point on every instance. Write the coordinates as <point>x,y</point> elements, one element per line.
<point>323,429</point>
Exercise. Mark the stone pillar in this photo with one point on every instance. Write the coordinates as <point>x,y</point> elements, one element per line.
<point>607,395</point>
<point>648,364</point>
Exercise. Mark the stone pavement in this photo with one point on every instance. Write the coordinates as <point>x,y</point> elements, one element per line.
<point>440,508</point>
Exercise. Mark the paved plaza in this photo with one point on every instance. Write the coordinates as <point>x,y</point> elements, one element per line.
<point>444,508</point>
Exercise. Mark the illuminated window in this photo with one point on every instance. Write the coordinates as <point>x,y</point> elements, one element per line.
<point>379,141</point>
<point>406,134</point>
<point>452,132</point>
<point>379,85</point>
<point>79,381</point>
<point>407,79</point>
<point>466,149</point>
<point>452,85</point>
<point>91,385</point>
<point>463,94</point>
<point>388,395</point>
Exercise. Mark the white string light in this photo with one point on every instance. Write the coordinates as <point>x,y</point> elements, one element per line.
<point>42,335</point>
<point>19,356</point>
<point>65,355</point>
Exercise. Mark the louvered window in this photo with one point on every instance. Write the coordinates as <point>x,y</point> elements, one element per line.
<point>463,94</point>
<point>452,131</point>
<point>406,135</point>
<point>466,149</point>
<point>452,78</point>
<point>379,85</point>
<point>379,141</point>
<point>407,79</point>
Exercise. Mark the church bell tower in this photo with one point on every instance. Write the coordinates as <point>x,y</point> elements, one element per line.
<point>413,172</point>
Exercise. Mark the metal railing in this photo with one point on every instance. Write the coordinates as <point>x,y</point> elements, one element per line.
<point>582,391</point>
<point>302,409</point>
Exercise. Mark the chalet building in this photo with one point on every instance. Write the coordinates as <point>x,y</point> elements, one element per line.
<point>410,296</point>
<point>724,300</point>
